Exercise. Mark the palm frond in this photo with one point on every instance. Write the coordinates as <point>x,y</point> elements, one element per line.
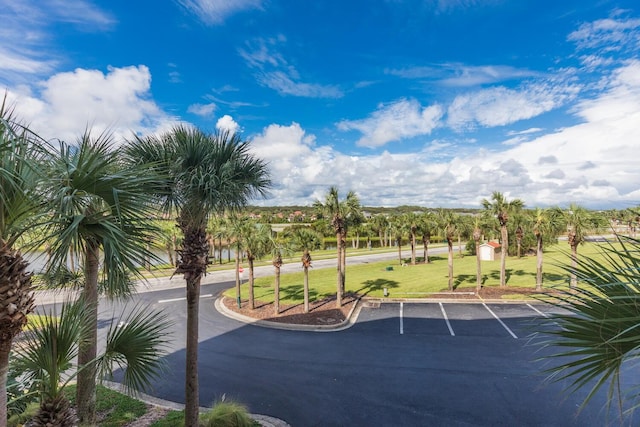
<point>602,330</point>
<point>135,344</point>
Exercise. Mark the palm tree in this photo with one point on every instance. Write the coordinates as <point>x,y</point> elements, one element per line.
<point>277,248</point>
<point>448,222</point>
<point>412,222</point>
<point>579,222</point>
<point>591,344</point>
<point>397,229</point>
<point>20,152</point>
<point>380,224</point>
<point>342,213</point>
<point>134,342</point>
<point>500,208</point>
<point>100,208</point>
<point>306,240</point>
<point>203,174</point>
<point>428,225</point>
<point>547,223</point>
<point>256,243</point>
<point>236,227</point>
<point>477,235</point>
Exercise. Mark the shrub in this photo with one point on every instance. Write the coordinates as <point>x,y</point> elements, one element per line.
<point>227,414</point>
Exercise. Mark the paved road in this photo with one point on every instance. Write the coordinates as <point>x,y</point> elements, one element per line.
<point>422,364</point>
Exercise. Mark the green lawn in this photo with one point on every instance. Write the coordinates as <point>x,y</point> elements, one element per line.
<point>420,280</point>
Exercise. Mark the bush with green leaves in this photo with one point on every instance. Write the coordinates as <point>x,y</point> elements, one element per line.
<point>593,343</point>
<point>227,414</point>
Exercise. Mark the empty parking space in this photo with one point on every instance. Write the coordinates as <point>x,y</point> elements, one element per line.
<point>512,321</point>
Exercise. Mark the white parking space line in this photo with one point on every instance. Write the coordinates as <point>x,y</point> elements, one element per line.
<point>401,318</point>
<point>446,319</point>
<point>538,311</point>
<point>501,322</point>
<point>162,301</point>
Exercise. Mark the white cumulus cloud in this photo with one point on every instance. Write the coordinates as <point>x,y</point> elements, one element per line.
<point>64,105</point>
<point>405,118</point>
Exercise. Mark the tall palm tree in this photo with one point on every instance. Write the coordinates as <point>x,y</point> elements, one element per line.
<point>448,222</point>
<point>135,342</point>
<point>412,223</point>
<point>579,222</point>
<point>306,240</point>
<point>203,174</point>
<point>477,225</point>
<point>20,153</point>
<point>380,223</point>
<point>343,213</point>
<point>501,208</point>
<point>428,225</point>
<point>236,227</point>
<point>100,208</point>
<point>547,223</point>
<point>599,336</point>
<point>398,228</point>
<point>277,246</point>
<point>256,243</point>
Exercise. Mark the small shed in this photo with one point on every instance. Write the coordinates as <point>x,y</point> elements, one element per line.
<point>489,250</point>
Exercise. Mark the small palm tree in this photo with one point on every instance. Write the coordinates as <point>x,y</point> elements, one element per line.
<point>547,223</point>
<point>500,208</point>
<point>256,244</point>
<point>448,222</point>
<point>600,335</point>
<point>478,225</point>
<point>135,343</point>
<point>428,225</point>
<point>579,223</point>
<point>397,229</point>
<point>306,240</point>
<point>201,174</point>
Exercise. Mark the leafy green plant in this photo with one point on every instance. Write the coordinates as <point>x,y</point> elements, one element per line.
<point>601,332</point>
<point>227,414</point>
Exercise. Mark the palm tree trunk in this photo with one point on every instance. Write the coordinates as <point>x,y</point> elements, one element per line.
<point>86,391</point>
<point>478,268</point>
<point>413,249</point>
<point>192,391</point>
<point>503,255</point>
<point>276,291</point>
<point>343,262</point>
<point>539,263</point>
<point>339,269</point>
<point>5,348</point>
<point>399,241</point>
<point>220,251</point>
<point>574,263</point>
<point>238,300</point>
<point>252,301</point>
<point>306,289</point>
<point>425,244</point>
<point>450,260</point>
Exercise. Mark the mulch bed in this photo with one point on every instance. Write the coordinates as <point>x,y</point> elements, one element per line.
<point>321,312</point>
<point>325,312</point>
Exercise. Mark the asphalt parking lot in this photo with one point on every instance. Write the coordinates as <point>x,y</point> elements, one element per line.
<point>453,318</point>
<point>409,364</point>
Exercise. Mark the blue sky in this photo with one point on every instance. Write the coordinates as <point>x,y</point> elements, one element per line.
<point>426,102</point>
